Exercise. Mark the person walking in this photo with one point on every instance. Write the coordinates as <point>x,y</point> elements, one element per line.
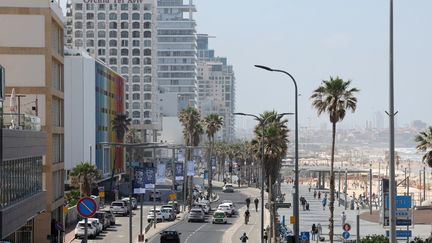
<point>315,194</point>
<point>319,232</point>
<point>244,238</point>
<point>343,218</point>
<point>307,206</point>
<point>256,201</point>
<point>313,231</point>
<point>319,195</point>
<point>248,202</point>
<point>324,203</point>
<point>303,203</point>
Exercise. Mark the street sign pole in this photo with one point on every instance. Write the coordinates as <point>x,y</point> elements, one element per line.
<point>85,230</point>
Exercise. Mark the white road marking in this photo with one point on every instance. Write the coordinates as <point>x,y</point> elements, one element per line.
<point>189,236</point>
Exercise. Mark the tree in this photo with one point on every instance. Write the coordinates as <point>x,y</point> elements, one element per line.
<point>83,175</point>
<point>190,119</point>
<point>120,125</point>
<point>424,144</point>
<point>213,123</point>
<point>334,97</point>
<point>272,133</point>
<point>132,136</point>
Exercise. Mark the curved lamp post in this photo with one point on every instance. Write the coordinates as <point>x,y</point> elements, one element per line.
<point>296,165</point>
<point>262,162</point>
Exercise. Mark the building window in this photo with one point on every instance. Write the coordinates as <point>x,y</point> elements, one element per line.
<point>57,76</point>
<point>124,34</point>
<point>101,34</point>
<point>147,87</point>
<point>90,34</point>
<point>78,6</point>
<point>78,16</point>
<point>90,16</point>
<point>79,43</point>
<point>113,52</point>
<point>135,61</point>
<point>135,105</point>
<point>101,52</point>
<point>135,122</point>
<point>124,25</point>
<point>124,16</point>
<point>147,43</point>
<point>146,114</point>
<point>136,43</point>
<point>135,16</point>
<point>147,16</point>
<point>113,61</point>
<point>90,25</point>
<point>124,70</point>
<point>125,52</point>
<point>136,96</point>
<point>135,79</point>
<point>147,70</point>
<point>147,52</point>
<point>78,34</point>
<point>147,34</point>
<point>90,6</point>
<point>147,25</point>
<point>113,34</point>
<point>101,25</point>
<point>57,185</point>
<point>147,105</point>
<point>135,6</point>
<point>125,61</point>
<point>113,6</point>
<point>113,25</point>
<point>113,43</point>
<point>147,61</point>
<point>147,96</point>
<point>135,25</point>
<point>136,34</point>
<point>135,70</point>
<point>136,87</point>
<point>78,25</point>
<point>90,43</point>
<point>57,112</point>
<point>101,16</point>
<point>147,79</point>
<point>135,52</point>
<point>124,6</point>
<point>113,16</point>
<point>101,7</point>
<point>147,6</point>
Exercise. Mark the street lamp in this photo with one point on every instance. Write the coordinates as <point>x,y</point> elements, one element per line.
<point>262,164</point>
<point>296,166</point>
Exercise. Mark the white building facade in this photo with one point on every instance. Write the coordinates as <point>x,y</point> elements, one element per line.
<point>122,36</point>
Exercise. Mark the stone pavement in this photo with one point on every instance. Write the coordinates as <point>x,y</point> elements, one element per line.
<point>318,215</point>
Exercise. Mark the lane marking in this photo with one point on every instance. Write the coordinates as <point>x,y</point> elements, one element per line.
<point>190,235</point>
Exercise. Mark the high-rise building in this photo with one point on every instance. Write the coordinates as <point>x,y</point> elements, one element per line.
<point>94,94</point>
<point>216,87</point>
<point>176,56</point>
<point>122,36</point>
<point>31,51</point>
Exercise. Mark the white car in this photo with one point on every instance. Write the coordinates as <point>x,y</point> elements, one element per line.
<point>228,188</point>
<point>231,204</point>
<point>167,214</point>
<point>99,226</point>
<point>225,208</point>
<point>150,216</point>
<point>205,207</point>
<point>134,202</point>
<point>79,230</point>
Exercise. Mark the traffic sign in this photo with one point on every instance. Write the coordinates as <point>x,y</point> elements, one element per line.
<point>283,205</point>
<point>401,202</point>
<point>400,214</point>
<point>404,222</point>
<point>346,235</point>
<point>401,233</point>
<point>304,236</point>
<point>86,207</point>
<point>292,220</point>
<point>101,194</point>
<point>346,227</point>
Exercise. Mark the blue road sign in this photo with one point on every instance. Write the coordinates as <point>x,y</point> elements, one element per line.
<point>304,236</point>
<point>86,207</point>
<point>346,235</point>
<point>401,233</point>
<point>404,222</point>
<point>401,202</point>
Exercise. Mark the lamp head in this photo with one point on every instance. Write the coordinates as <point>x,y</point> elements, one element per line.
<point>239,113</point>
<point>264,67</point>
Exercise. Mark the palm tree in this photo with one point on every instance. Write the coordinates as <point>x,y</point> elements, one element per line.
<point>424,143</point>
<point>272,133</point>
<point>190,119</point>
<point>83,175</point>
<point>213,123</point>
<point>334,97</point>
<point>120,125</point>
<point>132,136</point>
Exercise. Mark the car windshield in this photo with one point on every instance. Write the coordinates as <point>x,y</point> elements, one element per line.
<point>82,225</point>
<point>219,215</point>
<point>196,210</point>
<point>117,204</point>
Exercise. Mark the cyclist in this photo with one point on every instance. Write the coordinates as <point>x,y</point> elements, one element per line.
<point>256,204</point>
<point>248,202</point>
<point>247,214</point>
<point>244,238</point>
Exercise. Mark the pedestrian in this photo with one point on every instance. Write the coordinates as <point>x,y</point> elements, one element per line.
<point>343,218</point>
<point>319,231</point>
<point>238,180</point>
<point>319,195</point>
<point>313,231</point>
<point>244,238</point>
<point>315,194</point>
<point>324,203</point>
<point>256,201</point>
<point>303,203</point>
<point>248,202</point>
<point>307,206</point>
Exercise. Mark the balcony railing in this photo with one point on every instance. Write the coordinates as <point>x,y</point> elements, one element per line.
<point>21,121</point>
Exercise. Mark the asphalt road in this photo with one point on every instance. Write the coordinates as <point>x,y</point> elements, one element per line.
<point>196,232</point>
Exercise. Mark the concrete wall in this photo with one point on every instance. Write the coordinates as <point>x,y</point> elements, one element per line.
<point>172,130</point>
<point>29,31</point>
<point>23,144</point>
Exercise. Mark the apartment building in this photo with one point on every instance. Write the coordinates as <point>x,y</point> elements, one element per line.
<point>122,36</point>
<point>216,87</point>
<point>31,51</point>
<point>94,94</point>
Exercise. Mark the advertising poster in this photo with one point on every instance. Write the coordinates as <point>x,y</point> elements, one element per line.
<point>191,168</point>
<point>180,156</point>
<point>179,171</point>
<point>160,178</point>
<point>149,177</point>
<point>139,186</point>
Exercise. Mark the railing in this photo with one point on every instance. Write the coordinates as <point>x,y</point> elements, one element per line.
<point>21,121</point>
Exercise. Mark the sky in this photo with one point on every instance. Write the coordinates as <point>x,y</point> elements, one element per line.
<point>315,39</point>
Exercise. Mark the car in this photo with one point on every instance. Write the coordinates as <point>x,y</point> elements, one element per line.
<point>103,218</point>
<point>119,207</point>
<point>151,214</point>
<point>231,204</point>
<point>173,212</point>
<point>196,214</point>
<point>157,197</point>
<point>97,223</point>
<point>228,188</point>
<point>203,206</point>
<point>134,202</point>
<point>91,230</point>
<point>219,217</point>
<point>225,208</point>
<point>168,214</point>
<point>175,205</point>
<point>169,236</point>
<point>110,216</point>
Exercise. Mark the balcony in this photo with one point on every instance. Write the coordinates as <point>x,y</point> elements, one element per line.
<point>20,121</point>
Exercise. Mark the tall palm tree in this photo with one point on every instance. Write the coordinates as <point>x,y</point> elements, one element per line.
<point>83,175</point>
<point>132,136</point>
<point>213,123</point>
<point>190,119</point>
<point>424,144</point>
<point>272,133</point>
<point>335,97</point>
<point>120,125</point>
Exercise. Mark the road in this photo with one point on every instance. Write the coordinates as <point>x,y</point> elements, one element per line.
<point>207,232</point>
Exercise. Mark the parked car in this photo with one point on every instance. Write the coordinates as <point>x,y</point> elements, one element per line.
<point>134,202</point>
<point>228,188</point>
<point>225,208</point>
<point>150,216</point>
<point>196,214</point>
<point>170,236</point>
<point>103,219</point>
<point>120,207</point>
<point>175,205</point>
<point>167,214</point>
<point>91,230</point>
<point>111,216</point>
<point>173,212</point>
<point>157,195</point>
<point>219,217</point>
<point>97,223</point>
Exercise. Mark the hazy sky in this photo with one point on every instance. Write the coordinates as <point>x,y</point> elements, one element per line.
<point>313,39</point>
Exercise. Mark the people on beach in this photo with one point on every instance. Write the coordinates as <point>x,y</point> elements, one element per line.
<point>324,202</point>
<point>313,231</point>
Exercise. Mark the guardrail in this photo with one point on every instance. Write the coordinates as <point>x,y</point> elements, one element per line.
<point>148,227</point>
